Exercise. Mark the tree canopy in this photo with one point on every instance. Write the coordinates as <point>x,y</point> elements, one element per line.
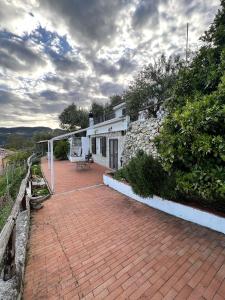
<point>153,85</point>
<point>73,118</point>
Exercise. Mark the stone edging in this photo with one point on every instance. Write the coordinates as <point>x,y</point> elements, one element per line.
<point>182,211</point>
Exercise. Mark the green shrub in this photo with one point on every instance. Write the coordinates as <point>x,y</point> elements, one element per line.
<point>145,175</point>
<point>61,150</point>
<point>121,174</point>
<point>192,142</point>
<point>192,146</point>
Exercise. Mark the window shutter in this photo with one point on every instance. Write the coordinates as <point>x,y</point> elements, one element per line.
<point>93,146</point>
<point>103,146</point>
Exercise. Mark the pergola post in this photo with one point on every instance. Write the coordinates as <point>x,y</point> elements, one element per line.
<point>49,156</point>
<point>52,166</point>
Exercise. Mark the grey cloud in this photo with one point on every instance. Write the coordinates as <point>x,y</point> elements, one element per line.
<point>110,88</point>
<point>51,108</point>
<point>9,13</point>
<point>14,105</point>
<point>48,101</point>
<point>49,95</point>
<point>59,81</point>
<point>76,73</point>
<point>92,22</point>
<point>146,13</point>
<point>64,64</point>
<point>125,64</point>
<point>102,66</point>
<point>10,99</point>
<point>6,97</point>
<point>17,56</point>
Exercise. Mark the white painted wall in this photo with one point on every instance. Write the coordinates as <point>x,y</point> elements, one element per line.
<point>119,112</point>
<point>111,129</point>
<point>118,109</point>
<point>104,161</point>
<point>113,125</point>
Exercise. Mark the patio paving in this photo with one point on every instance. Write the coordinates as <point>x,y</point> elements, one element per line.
<point>91,242</point>
<point>68,178</point>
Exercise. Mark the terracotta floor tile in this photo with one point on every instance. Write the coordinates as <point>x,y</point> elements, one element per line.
<point>89,241</point>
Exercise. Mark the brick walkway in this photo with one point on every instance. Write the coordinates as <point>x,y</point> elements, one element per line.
<point>96,243</point>
<point>67,178</point>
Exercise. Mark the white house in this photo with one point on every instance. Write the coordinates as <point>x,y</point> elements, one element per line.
<point>104,140</point>
<point>107,138</point>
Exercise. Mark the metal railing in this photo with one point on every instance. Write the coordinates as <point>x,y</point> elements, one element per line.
<point>104,118</point>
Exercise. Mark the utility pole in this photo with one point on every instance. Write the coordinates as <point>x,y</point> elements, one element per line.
<point>187,44</point>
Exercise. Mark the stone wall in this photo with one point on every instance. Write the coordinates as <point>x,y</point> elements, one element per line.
<point>140,136</point>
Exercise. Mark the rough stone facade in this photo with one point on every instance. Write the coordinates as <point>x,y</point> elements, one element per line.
<point>140,136</point>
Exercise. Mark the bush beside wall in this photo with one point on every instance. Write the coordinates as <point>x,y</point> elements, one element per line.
<point>61,150</point>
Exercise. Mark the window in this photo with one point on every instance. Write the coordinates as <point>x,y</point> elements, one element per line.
<point>103,146</point>
<point>93,145</point>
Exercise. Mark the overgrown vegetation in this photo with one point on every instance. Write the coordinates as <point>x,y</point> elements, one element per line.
<point>37,174</point>
<point>191,144</point>
<point>36,170</point>
<point>40,192</point>
<point>10,183</point>
<point>152,86</point>
<point>61,150</point>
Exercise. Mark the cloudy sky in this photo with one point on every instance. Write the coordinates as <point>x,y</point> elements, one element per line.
<point>56,52</point>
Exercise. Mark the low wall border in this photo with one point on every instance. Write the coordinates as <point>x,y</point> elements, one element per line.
<point>179,210</point>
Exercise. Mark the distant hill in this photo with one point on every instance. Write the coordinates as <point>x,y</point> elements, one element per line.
<point>27,132</point>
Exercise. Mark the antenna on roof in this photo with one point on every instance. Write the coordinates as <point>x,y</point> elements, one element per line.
<point>187,43</point>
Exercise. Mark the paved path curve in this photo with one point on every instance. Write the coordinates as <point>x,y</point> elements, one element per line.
<point>94,243</point>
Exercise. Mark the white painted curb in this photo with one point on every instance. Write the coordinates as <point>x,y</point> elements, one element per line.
<point>176,209</point>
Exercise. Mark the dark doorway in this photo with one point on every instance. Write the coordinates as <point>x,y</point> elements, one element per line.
<point>113,154</point>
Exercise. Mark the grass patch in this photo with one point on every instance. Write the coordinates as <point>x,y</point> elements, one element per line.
<point>36,170</point>
<point>5,212</point>
<point>10,182</point>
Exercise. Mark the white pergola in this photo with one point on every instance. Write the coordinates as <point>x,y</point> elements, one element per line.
<point>51,152</point>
